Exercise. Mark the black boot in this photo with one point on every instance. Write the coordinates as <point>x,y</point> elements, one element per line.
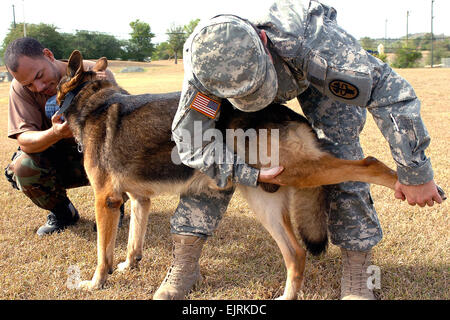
<point>62,216</point>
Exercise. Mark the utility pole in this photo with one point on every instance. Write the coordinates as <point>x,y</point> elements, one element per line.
<point>407,27</point>
<point>432,45</point>
<point>385,33</point>
<point>24,24</point>
<point>14,17</point>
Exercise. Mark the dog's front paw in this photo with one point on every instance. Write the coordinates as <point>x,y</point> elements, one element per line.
<point>130,263</point>
<point>89,285</point>
<point>124,266</point>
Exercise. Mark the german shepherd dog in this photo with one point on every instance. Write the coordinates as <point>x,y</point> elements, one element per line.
<point>127,150</point>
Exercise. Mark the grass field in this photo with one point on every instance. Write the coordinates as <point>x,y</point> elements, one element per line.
<point>241,261</point>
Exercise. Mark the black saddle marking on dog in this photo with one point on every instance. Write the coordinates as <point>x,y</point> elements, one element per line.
<point>129,103</point>
<point>269,187</point>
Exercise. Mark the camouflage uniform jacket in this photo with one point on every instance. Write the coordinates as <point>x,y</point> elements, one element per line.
<point>309,48</point>
<point>193,150</point>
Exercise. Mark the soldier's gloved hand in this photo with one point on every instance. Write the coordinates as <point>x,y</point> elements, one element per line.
<point>60,128</point>
<point>424,194</point>
<point>268,175</point>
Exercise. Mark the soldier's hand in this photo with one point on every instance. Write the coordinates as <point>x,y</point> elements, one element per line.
<point>424,194</point>
<point>269,175</point>
<point>61,128</point>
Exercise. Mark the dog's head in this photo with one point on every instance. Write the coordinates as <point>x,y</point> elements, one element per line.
<point>76,75</point>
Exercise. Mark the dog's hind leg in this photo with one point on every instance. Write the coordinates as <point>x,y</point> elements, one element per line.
<point>306,165</point>
<point>272,211</point>
<point>107,212</point>
<point>140,209</point>
<point>307,209</point>
<point>330,170</point>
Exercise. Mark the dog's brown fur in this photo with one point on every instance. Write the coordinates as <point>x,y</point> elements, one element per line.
<point>127,149</point>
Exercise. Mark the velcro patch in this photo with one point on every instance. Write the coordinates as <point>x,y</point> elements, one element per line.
<point>343,89</point>
<point>205,105</point>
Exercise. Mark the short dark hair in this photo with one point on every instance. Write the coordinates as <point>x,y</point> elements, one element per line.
<point>22,47</point>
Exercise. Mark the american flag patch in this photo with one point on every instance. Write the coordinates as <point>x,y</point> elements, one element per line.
<point>205,105</point>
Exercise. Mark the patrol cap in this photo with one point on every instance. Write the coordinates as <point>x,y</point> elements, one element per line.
<point>230,61</point>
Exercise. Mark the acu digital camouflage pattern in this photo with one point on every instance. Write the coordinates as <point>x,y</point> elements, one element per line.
<point>201,156</point>
<point>352,219</point>
<point>230,61</point>
<point>44,177</point>
<point>200,214</point>
<point>307,44</point>
<point>306,36</point>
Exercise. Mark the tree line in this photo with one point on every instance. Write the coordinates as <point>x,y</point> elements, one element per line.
<point>408,52</point>
<point>93,44</point>
<point>140,46</point>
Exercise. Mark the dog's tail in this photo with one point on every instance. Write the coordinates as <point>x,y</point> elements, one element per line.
<point>307,210</point>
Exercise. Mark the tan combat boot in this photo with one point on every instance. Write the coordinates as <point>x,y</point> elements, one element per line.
<point>354,275</point>
<point>185,270</point>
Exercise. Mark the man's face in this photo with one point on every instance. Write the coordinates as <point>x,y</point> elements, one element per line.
<point>38,74</point>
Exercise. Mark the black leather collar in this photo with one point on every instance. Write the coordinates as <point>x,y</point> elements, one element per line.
<point>69,98</point>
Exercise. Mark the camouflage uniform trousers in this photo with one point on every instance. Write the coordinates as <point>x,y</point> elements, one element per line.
<point>200,214</point>
<point>44,177</point>
<point>352,220</point>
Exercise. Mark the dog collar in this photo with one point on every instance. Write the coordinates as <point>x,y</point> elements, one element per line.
<point>69,98</point>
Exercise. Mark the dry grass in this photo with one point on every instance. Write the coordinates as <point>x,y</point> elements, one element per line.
<point>241,261</point>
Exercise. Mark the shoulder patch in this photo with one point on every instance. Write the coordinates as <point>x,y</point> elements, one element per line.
<point>205,105</point>
<point>343,89</point>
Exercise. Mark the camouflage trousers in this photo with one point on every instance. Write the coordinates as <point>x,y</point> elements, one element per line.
<point>200,214</point>
<point>352,220</point>
<point>44,177</point>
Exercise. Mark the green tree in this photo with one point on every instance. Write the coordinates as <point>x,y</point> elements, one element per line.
<point>441,50</point>
<point>46,34</point>
<point>368,43</point>
<point>406,57</point>
<point>162,51</point>
<point>422,42</point>
<point>371,46</point>
<point>140,46</point>
<point>93,45</point>
<point>381,56</point>
<point>177,37</point>
<point>189,28</point>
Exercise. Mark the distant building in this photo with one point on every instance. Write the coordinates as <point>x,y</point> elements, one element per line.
<point>445,62</point>
<point>380,49</point>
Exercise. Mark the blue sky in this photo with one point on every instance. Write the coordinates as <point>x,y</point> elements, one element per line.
<point>359,17</point>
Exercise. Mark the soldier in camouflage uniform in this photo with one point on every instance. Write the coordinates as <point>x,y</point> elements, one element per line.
<point>44,177</point>
<point>48,161</point>
<point>297,51</point>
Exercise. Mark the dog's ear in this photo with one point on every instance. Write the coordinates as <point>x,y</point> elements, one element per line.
<point>75,65</point>
<point>100,65</point>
